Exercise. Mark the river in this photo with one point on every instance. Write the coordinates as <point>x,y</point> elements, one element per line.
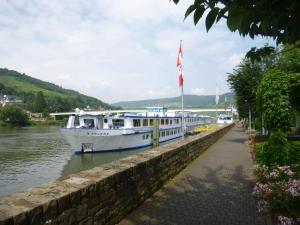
<point>30,156</point>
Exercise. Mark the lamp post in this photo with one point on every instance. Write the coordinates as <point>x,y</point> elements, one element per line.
<point>249,121</point>
<point>249,114</point>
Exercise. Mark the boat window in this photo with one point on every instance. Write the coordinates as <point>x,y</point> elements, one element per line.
<point>136,122</point>
<point>144,136</point>
<point>147,136</point>
<point>162,121</point>
<point>151,122</point>
<point>171,132</point>
<point>167,133</point>
<point>118,123</point>
<point>145,122</point>
<point>89,123</point>
<point>167,121</point>
<point>171,121</point>
<point>105,120</point>
<point>163,134</point>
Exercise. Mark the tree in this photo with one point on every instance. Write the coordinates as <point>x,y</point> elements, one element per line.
<point>244,81</point>
<point>40,104</point>
<point>271,18</point>
<point>273,98</point>
<point>268,18</point>
<point>289,60</point>
<point>14,115</point>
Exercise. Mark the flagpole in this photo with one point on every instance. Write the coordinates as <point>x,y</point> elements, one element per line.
<point>182,113</point>
<point>217,101</point>
<point>182,109</point>
<point>180,69</point>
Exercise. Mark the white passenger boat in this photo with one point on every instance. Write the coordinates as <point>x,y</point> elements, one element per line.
<point>224,119</point>
<point>91,133</point>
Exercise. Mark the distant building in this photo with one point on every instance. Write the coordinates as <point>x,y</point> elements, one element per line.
<point>10,99</point>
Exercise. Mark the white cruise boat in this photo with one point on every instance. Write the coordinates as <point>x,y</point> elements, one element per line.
<point>92,133</point>
<point>224,119</point>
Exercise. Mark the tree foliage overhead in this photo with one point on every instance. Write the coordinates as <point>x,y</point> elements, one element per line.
<point>278,20</point>
<point>269,18</point>
<point>289,60</point>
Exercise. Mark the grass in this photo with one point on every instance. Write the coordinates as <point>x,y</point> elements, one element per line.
<point>26,87</point>
<point>37,123</point>
<point>48,123</point>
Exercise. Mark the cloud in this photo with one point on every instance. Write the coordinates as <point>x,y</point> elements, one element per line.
<point>116,50</point>
<point>235,59</point>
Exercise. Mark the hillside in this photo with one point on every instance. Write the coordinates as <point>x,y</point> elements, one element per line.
<point>190,101</point>
<point>57,98</point>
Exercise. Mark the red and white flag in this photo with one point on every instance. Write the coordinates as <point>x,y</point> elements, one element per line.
<point>179,66</point>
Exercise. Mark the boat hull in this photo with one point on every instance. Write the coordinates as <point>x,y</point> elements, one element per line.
<point>85,140</point>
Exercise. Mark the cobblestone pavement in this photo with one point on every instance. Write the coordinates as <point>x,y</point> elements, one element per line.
<point>213,190</point>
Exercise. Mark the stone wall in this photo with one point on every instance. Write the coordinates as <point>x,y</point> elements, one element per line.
<point>104,195</point>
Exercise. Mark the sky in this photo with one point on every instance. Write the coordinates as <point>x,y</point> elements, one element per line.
<point>118,50</point>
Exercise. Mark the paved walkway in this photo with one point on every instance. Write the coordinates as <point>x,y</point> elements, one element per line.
<point>213,190</point>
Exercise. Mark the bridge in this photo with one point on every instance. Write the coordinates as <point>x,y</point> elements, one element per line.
<point>194,110</point>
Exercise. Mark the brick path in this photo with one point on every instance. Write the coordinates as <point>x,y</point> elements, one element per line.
<point>213,190</point>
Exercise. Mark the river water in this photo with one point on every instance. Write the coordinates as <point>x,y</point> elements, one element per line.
<point>30,156</point>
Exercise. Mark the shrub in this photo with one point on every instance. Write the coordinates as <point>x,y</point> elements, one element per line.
<point>274,101</point>
<point>278,151</point>
<point>294,152</point>
<point>274,151</point>
<point>13,114</point>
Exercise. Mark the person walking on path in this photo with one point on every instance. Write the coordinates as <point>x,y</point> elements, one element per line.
<point>213,190</point>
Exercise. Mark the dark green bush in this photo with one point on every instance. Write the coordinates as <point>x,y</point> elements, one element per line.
<point>274,151</point>
<point>294,152</point>
<point>14,115</point>
<point>278,151</point>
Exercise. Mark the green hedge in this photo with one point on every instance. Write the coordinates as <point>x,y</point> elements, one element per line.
<point>278,151</point>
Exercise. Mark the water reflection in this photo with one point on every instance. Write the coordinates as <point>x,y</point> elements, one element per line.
<point>31,156</point>
<point>79,162</point>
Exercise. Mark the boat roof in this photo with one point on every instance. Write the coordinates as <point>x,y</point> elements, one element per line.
<point>144,116</point>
